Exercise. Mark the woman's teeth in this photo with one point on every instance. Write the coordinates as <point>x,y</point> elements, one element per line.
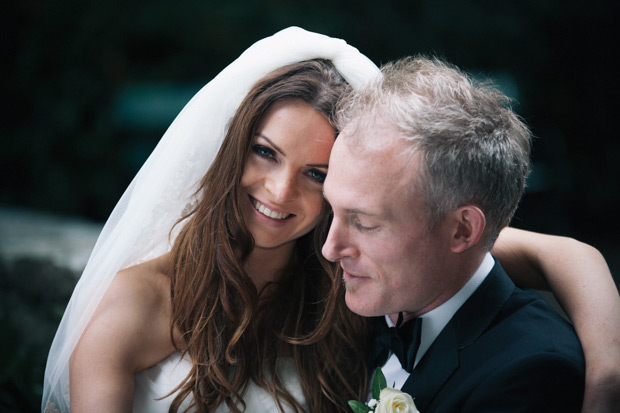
<point>268,212</point>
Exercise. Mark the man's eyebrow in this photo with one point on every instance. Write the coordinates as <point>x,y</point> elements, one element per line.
<point>276,147</point>
<point>352,211</point>
<point>357,211</point>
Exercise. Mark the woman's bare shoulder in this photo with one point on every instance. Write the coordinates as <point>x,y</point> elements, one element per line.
<point>145,284</point>
<point>129,332</point>
<point>132,322</point>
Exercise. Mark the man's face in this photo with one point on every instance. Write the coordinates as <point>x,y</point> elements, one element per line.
<point>379,235</point>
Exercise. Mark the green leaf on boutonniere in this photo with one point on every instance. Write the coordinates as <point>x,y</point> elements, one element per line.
<point>378,383</point>
<point>358,407</point>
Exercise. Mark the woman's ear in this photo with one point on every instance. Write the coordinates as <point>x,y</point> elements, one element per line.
<point>469,227</point>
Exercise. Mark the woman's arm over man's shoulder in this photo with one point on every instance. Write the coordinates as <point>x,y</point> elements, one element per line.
<point>580,279</point>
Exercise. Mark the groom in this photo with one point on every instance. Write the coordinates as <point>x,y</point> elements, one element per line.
<point>427,171</point>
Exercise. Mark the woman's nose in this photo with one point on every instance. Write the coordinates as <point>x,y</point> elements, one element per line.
<point>283,186</point>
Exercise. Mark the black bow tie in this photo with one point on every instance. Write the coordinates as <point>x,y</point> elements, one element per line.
<point>402,340</point>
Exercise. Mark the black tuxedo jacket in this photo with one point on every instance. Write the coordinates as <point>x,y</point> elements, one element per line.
<point>505,350</point>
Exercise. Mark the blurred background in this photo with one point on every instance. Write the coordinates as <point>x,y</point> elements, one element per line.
<point>89,88</point>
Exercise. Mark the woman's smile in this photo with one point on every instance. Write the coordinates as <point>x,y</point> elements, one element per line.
<point>268,212</point>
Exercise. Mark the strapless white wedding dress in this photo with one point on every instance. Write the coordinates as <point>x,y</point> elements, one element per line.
<point>159,380</point>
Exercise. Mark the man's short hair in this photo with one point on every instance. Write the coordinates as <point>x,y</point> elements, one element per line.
<point>474,148</point>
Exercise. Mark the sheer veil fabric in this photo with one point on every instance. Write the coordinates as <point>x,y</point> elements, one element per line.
<point>139,227</point>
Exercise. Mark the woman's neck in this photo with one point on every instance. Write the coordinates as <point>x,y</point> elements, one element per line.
<point>265,265</point>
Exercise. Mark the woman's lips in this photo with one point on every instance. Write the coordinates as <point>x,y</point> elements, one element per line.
<point>268,212</point>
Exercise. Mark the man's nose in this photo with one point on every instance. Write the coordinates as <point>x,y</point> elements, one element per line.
<point>336,245</point>
<point>283,186</point>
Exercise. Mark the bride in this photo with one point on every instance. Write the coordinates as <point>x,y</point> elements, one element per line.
<point>205,291</point>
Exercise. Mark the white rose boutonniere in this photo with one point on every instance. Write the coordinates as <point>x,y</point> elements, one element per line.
<point>395,401</point>
<point>385,399</point>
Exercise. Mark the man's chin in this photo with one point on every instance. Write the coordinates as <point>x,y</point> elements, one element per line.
<point>357,303</point>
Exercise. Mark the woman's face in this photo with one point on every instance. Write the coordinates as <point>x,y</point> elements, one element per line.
<point>281,186</point>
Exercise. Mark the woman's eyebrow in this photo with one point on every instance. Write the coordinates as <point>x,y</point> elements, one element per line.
<point>317,165</point>
<point>276,147</point>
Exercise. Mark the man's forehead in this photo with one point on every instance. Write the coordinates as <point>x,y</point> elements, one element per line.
<point>366,180</point>
<point>379,147</point>
<point>353,197</point>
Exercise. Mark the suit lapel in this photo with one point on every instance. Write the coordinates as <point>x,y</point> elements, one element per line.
<point>469,322</point>
<point>434,368</point>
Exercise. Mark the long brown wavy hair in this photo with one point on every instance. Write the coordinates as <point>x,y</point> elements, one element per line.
<point>230,335</point>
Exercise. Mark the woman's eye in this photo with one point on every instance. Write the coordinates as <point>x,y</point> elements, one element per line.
<point>317,175</point>
<point>263,151</point>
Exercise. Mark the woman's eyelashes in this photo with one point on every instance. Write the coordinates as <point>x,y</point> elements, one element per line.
<point>264,151</point>
<point>317,175</point>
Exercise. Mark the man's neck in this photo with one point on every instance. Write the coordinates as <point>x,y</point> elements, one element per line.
<point>463,269</point>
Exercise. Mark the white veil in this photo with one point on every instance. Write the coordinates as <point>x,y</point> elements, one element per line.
<point>138,228</point>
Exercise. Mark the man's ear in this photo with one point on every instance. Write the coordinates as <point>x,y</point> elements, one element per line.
<point>469,226</point>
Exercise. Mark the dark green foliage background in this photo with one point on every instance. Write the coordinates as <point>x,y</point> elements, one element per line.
<point>69,144</point>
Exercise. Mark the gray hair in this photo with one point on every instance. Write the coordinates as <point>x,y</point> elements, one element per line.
<point>474,148</point>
